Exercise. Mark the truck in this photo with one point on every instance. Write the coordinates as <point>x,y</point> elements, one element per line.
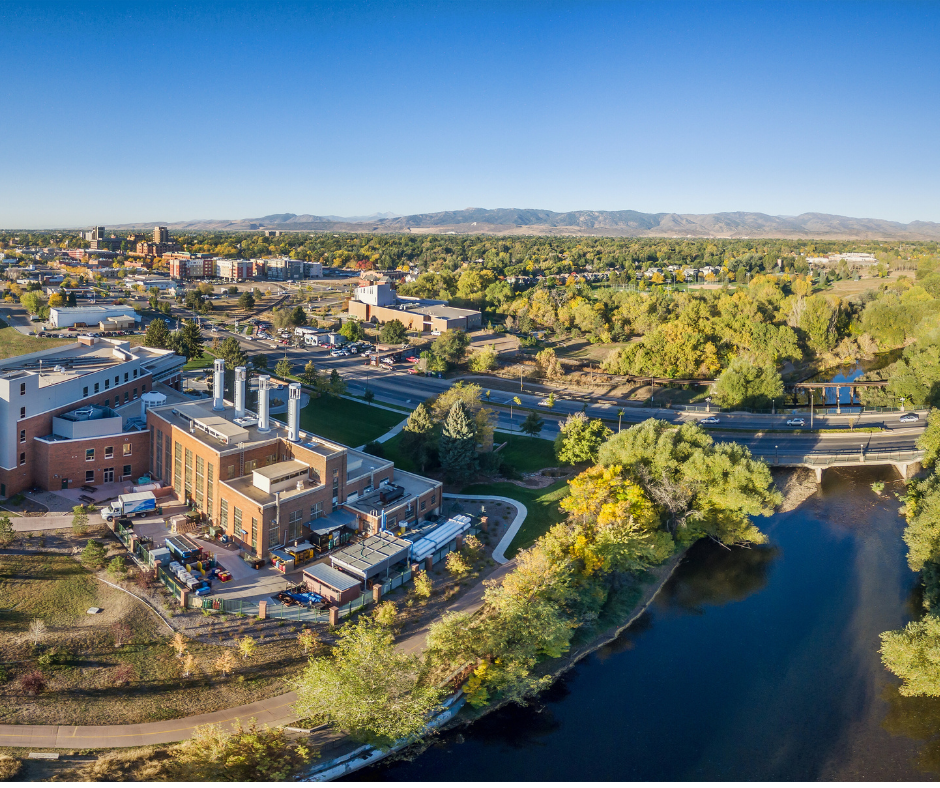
<point>130,505</point>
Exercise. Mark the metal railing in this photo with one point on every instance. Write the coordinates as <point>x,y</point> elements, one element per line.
<point>840,457</point>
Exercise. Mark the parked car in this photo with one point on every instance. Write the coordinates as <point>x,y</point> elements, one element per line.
<point>411,360</point>
<point>796,422</point>
<point>337,353</point>
<point>909,417</point>
<point>709,420</point>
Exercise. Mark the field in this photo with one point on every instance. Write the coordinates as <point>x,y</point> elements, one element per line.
<point>200,362</point>
<point>346,421</point>
<point>526,454</point>
<point>542,506</point>
<point>13,343</point>
<point>118,666</point>
<point>848,288</point>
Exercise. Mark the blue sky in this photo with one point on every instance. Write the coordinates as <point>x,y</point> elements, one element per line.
<point>118,112</point>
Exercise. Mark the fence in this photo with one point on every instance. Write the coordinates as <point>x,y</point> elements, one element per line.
<point>230,607</point>
<point>841,457</point>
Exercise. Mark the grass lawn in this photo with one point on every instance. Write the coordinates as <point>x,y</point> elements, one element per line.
<point>346,421</point>
<point>200,362</point>
<point>54,588</point>
<point>542,506</point>
<point>13,343</point>
<point>527,454</point>
<point>393,452</point>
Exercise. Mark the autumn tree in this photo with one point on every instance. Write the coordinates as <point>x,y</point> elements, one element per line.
<point>579,439</point>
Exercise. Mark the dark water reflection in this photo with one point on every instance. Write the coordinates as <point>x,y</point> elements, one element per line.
<point>755,664</point>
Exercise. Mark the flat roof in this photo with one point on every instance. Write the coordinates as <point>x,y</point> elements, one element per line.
<point>281,469</point>
<point>412,484</point>
<point>331,577</point>
<point>372,552</point>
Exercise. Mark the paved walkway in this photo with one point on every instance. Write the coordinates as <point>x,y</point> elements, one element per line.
<point>42,522</point>
<point>499,552</point>
<point>390,434</point>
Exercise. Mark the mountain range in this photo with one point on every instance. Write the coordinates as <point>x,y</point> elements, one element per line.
<point>533,221</point>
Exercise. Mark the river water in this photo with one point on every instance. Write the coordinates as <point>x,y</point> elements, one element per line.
<point>751,664</point>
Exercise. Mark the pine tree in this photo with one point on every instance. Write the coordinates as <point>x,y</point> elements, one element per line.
<point>533,424</point>
<point>458,447</point>
<point>417,437</point>
<point>158,335</point>
<point>188,340</point>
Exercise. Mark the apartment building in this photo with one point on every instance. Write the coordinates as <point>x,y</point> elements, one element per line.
<point>190,265</point>
<point>58,426</point>
<point>266,483</point>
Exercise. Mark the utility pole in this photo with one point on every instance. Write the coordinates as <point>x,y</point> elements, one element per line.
<point>812,402</point>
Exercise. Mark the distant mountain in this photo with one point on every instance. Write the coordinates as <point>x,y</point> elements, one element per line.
<point>531,221</point>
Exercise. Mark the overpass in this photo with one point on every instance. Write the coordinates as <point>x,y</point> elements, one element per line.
<point>906,462</point>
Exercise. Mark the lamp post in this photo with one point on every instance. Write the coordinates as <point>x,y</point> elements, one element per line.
<point>619,418</point>
<point>812,402</point>
<point>708,404</point>
<point>902,403</point>
<point>861,448</point>
<point>776,455</point>
<point>773,407</point>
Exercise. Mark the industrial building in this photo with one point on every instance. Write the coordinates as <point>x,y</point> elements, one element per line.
<point>81,316</point>
<point>379,303</point>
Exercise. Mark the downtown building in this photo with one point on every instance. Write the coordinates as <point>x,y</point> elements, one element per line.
<point>265,483</point>
<point>59,420</point>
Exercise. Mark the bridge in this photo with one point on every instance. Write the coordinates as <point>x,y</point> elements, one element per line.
<point>907,463</point>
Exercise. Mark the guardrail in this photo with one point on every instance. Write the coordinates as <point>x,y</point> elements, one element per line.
<point>840,457</point>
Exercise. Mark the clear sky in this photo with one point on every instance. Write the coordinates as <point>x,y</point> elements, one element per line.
<point>116,112</point>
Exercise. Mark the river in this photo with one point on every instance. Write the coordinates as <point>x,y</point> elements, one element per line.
<point>849,372</point>
<point>751,664</point>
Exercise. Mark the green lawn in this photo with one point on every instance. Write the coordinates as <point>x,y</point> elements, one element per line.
<point>345,421</point>
<point>542,506</point>
<point>526,454</point>
<point>13,343</point>
<point>200,362</point>
<point>393,452</point>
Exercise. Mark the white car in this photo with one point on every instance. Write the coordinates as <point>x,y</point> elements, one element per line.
<point>709,420</point>
<point>336,353</point>
<point>909,417</point>
<point>545,403</point>
<point>796,422</point>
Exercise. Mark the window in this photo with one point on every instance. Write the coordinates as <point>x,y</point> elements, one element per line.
<point>254,534</point>
<point>125,377</point>
<point>294,524</point>
<point>250,465</point>
<point>126,397</point>
<point>135,373</point>
<point>274,535</point>
<point>97,387</point>
<point>237,521</point>
<point>143,388</point>
<point>22,436</point>
<point>89,455</point>
<point>107,383</point>
<point>433,498</point>
<point>335,484</point>
<point>209,470</point>
<point>159,459</point>
<point>135,392</point>
<point>423,505</point>
<point>316,510</point>
<point>188,480</point>
<point>200,483</point>
<point>127,471</point>
<point>107,401</point>
<point>108,452</point>
<point>127,449</point>
<point>89,476</point>
<point>223,514</point>
<point>22,389</point>
<point>23,412</point>
<point>85,391</point>
<point>23,458</point>
<point>178,468</point>
<point>117,379</point>
<point>231,472</point>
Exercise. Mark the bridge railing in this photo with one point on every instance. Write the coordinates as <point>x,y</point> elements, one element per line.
<point>840,457</point>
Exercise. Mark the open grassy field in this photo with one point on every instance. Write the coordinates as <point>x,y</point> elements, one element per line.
<point>848,288</point>
<point>200,362</point>
<point>542,506</point>
<point>346,421</point>
<point>13,343</point>
<point>118,666</point>
<point>526,454</point>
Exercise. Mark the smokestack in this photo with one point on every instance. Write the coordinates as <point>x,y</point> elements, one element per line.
<point>293,412</point>
<point>241,375</point>
<point>218,384</point>
<point>264,403</point>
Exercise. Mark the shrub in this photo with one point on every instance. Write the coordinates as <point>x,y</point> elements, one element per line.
<point>385,613</point>
<point>37,630</point>
<point>93,555</point>
<point>123,674</point>
<point>116,568</point>
<point>9,767</point>
<point>456,564</point>
<point>32,683</point>
<point>423,585</point>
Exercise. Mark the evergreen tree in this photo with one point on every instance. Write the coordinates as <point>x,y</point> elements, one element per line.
<point>283,368</point>
<point>188,340</point>
<point>418,434</point>
<point>158,335</point>
<point>298,317</point>
<point>458,446</point>
<point>231,351</point>
<point>260,361</point>
<point>533,424</point>
<point>337,384</point>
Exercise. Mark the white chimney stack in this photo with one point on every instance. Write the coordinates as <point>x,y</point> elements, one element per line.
<point>293,412</point>
<point>241,375</point>
<point>264,403</point>
<point>218,384</point>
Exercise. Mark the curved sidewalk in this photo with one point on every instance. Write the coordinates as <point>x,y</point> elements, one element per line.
<point>272,711</point>
<point>499,552</point>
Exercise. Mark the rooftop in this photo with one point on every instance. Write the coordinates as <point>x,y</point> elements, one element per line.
<point>90,355</point>
<point>327,575</point>
<point>410,485</point>
<point>375,550</point>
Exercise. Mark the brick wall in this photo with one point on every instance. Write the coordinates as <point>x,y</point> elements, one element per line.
<point>55,461</point>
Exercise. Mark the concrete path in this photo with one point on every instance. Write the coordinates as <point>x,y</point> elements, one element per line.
<point>42,523</point>
<point>390,434</point>
<point>499,552</point>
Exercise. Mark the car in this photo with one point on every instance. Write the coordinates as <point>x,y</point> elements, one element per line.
<point>412,371</point>
<point>545,403</point>
<point>909,417</point>
<point>435,333</point>
<point>709,420</point>
<point>336,353</point>
<point>411,360</point>
<point>796,422</point>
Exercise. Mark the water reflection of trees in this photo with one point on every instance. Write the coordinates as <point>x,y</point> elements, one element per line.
<point>521,727</point>
<point>915,718</point>
<point>715,575</point>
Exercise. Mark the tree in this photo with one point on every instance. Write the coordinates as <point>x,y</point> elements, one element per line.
<point>368,395</point>
<point>385,614</point>
<point>483,360</point>
<point>423,584</point>
<point>579,439</point>
<point>93,554</point>
<point>484,418</point>
<point>309,375</point>
<point>912,655</point>
<point>451,345</point>
<point>298,317</point>
<point>308,640</point>
<point>458,444</point>
<point>188,340</point>
<point>366,688</point>
<point>179,645</point>
<point>929,440</point>
<point>702,488</point>
<point>417,435</point>
<point>353,330</point>
<point>33,302</point>
<point>247,646</point>
<point>548,364</point>
<point>246,300</point>
<point>283,368</point>
<point>393,333</point>
<point>232,353</point>
<point>57,300</point>
<point>7,534</point>
<point>456,564</point>
<point>745,384</point>
<point>225,663</point>
<point>337,384</point>
<point>551,400</point>
<point>533,424</point>
<point>158,335</point>
<point>259,361</point>
<point>79,520</point>
<point>116,568</point>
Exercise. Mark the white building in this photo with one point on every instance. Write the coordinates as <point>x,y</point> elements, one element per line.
<point>376,295</point>
<point>63,317</point>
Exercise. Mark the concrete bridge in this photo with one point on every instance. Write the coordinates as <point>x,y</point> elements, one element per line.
<point>907,463</point>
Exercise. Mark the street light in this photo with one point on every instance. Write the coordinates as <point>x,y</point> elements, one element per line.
<point>776,455</point>
<point>902,403</point>
<point>861,448</point>
<point>812,402</point>
<point>708,404</point>
<point>619,418</point>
